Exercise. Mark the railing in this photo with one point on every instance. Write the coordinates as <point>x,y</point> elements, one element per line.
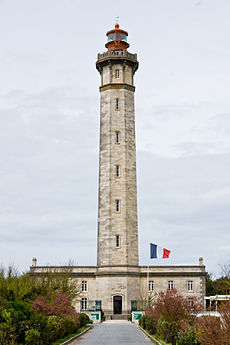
<point>92,306</point>
<point>117,53</point>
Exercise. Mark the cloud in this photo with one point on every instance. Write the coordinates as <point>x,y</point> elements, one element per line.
<point>217,195</point>
<point>49,128</point>
<point>183,205</point>
<point>174,130</point>
<point>48,171</point>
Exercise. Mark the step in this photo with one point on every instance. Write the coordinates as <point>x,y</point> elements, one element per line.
<point>116,321</point>
<point>117,317</point>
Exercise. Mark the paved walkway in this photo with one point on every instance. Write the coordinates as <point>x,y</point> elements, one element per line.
<point>113,333</point>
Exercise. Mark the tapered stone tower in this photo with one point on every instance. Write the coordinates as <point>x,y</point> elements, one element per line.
<point>117,205</point>
<point>118,283</point>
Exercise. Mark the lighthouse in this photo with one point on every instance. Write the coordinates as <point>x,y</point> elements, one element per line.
<point>118,285</point>
<point>117,242</point>
<point>117,202</point>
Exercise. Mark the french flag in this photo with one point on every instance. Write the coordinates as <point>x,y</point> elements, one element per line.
<point>158,252</point>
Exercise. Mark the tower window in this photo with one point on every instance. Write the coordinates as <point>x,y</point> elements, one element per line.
<point>117,74</point>
<point>84,285</point>
<point>151,285</point>
<point>84,303</point>
<point>190,285</point>
<point>117,104</point>
<point>117,241</point>
<point>170,285</point>
<point>117,138</point>
<point>117,170</point>
<point>118,205</point>
<point>190,302</point>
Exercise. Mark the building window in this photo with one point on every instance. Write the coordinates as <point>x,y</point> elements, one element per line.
<point>117,104</point>
<point>98,305</point>
<point>151,285</point>
<point>190,301</point>
<point>117,241</point>
<point>84,285</point>
<point>118,205</point>
<point>117,170</point>
<point>170,285</point>
<point>117,74</point>
<point>117,137</point>
<point>84,303</point>
<point>133,305</point>
<point>190,285</point>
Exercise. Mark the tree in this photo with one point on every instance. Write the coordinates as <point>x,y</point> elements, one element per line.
<point>53,279</point>
<point>225,269</point>
<point>145,301</point>
<point>171,309</point>
<point>17,293</point>
<point>210,291</point>
<point>215,330</point>
<point>224,311</point>
<point>58,304</point>
<point>221,285</point>
<point>209,331</point>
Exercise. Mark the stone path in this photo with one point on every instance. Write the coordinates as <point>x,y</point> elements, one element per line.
<point>113,333</point>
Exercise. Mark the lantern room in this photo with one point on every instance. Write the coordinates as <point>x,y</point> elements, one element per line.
<point>117,39</point>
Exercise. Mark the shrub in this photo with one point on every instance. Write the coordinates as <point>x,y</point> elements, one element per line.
<point>167,330</point>
<point>173,306</point>
<point>171,310</point>
<point>58,327</point>
<point>188,337</point>
<point>149,323</point>
<point>129,317</point>
<point>20,313</point>
<point>54,329</point>
<point>210,331</point>
<point>70,325</point>
<point>7,334</point>
<point>58,304</point>
<point>36,311</point>
<point>215,330</point>
<point>142,321</point>
<point>32,337</point>
<point>83,319</point>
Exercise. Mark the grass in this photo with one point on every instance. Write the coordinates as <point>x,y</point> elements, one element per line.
<point>62,340</point>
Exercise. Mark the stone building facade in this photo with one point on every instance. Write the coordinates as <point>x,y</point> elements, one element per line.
<point>117,282</point>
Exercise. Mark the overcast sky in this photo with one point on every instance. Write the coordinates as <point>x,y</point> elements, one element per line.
<point>49,128</point>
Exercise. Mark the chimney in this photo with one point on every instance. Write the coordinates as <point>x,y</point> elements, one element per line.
<point>34,262</point>
<point>201,261</point>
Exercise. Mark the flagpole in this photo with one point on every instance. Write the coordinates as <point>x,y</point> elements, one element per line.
<point>148,274</point>
<point>147,277</point>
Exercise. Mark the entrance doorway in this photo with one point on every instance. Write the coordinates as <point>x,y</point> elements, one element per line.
<point>117,304</point>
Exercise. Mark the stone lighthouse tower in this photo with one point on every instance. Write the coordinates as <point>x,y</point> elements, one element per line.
<point>117,206</point>
<point>117,284</point>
